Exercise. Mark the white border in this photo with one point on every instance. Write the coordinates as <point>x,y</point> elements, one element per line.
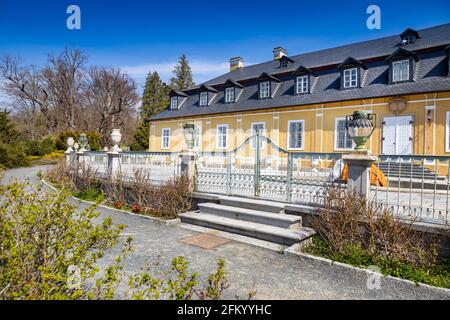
<point>357,80</point>
<point>252,145</point>
<point>162,138</point>
<point>336,136</point>
<point>217,136</point>
<point>288,135</point>
<point>297,83</point>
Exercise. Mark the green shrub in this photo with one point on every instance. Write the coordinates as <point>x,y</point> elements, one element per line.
<point>40,148</point>
<point>90,195</point>
<point>92,136</point>
<point>12,155</point>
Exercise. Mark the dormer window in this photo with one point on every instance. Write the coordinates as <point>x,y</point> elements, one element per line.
<point>409,36</point>
<point>229,95</point>
<point>351,73</point>
<point>284,61</point>
<point>401,66</point>
<point>350,78</point>
<point>302,86</point>
<point>267,85</point>
<point>174,103</point>
<point>400,71</point>
<point>304,79</point>
<point>264,89</point>
<point>203,99</point>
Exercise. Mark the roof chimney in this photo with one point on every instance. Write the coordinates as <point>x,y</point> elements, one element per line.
<point>279,52</point>
<point>236,63</point>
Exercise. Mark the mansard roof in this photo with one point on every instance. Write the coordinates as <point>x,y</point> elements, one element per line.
<point>431,75</point>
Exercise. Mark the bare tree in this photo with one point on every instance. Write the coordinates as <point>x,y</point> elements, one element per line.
<point>110,99</point>
<point>67,96</point>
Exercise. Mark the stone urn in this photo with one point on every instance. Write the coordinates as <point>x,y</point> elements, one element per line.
<point>116,137</point>
<point>70,143</point>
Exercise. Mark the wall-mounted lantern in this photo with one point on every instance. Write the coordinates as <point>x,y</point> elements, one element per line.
<point>360,126</point>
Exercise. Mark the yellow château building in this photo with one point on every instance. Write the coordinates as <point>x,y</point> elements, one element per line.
<point>300,102</point>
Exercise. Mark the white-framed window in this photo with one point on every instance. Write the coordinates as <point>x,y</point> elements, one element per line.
<point>257,127</point>
<point>174,103</point>
<point>302,84</point>
<point>264,89</point>
<point>296,134</point>
<point>342,139</point>
<point>222,136</point>
<point>400,71</point>
<point>351,78</point>
<point>203,99</point>
<point>229,95</point>
<point>165,138</point>
<point>197,136</point>
<point>447,132</point>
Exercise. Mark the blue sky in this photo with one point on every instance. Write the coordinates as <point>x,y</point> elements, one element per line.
<point>139,36</point>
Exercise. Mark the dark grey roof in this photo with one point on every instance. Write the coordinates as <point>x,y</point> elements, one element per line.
<point>431,74</point>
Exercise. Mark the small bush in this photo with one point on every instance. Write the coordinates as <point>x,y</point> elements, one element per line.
<point>92,136</point>
<point>90,195</point>
<point>12,156</point>
<point>353,227</point>
<point>40,148</point>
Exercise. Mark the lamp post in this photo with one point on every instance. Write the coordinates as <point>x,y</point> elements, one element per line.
<point>360,126</point>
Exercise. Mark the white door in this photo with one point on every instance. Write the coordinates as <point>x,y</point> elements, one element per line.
<point>397,135</point>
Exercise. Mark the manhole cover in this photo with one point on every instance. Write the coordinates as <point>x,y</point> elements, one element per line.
<point>206,241</point>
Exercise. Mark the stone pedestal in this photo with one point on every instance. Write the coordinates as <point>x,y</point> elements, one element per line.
<point>188,167</point>
<point>359,171</point>
<point>81,159</point>
<point>70,157</point>
<point>113,163</point>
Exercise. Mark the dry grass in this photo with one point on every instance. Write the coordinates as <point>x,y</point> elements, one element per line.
<point>348,220</point>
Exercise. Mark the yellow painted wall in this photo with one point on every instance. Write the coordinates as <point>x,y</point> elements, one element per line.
<point>428,136</point>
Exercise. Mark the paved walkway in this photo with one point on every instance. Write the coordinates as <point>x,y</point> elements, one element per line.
<point>276,276</point>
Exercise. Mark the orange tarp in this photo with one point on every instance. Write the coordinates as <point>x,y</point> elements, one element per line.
<point>377,176</point>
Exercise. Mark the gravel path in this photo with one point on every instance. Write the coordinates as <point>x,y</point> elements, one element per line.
<point>274,275</point>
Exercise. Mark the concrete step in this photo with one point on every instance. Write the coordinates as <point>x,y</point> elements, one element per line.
<point>254,204</point>
<point>274,219</point>
<point>250,229</point>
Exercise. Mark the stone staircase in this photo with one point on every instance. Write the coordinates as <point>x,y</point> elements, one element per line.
<point>263,220</point>
<point>407,171</point>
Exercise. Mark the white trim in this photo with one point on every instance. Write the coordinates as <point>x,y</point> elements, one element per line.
<point>202,103</point>
<point>233,89</point>
<point>200,136</point>
<point>350,78</point>
<point>400,62</point>
<point>172,100</point>
<point>162,139</point>
<point>252,146</point>
<point>447,131</point>
<point>217,137</point>
<point>297,91</point>
<point>244,114</point>
<point>261,91</point>
<point>288,133</point>
<point>336,136</point>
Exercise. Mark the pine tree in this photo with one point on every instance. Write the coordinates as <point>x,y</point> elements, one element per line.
<point>182,75</point>
<point>154,100</point>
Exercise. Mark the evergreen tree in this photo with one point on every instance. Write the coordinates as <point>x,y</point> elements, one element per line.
<point>12,153</point>
<point>182,75</point>
<point>154,100</point>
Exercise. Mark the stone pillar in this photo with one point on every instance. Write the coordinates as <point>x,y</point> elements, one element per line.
<point>188,167</point>
<point>81,159</point>
<point>359,171</point>
<point>114,165</point>
<point>70,153</point>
